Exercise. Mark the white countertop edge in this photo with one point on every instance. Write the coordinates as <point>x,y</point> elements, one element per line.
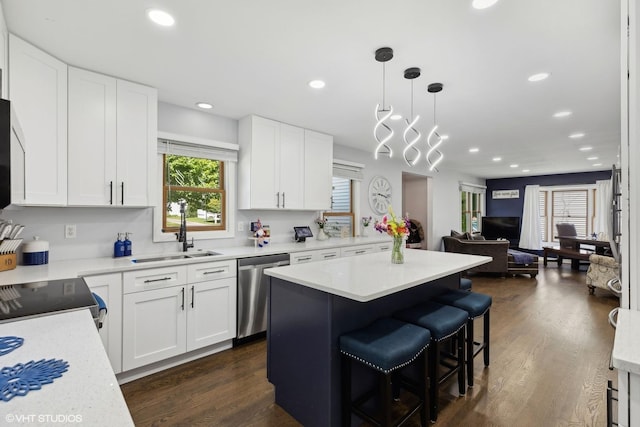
<point>626,346</point>
<point>312,282</point>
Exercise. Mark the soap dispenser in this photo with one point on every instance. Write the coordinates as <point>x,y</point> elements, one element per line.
<point>127,244</point>
<point>118,247</point>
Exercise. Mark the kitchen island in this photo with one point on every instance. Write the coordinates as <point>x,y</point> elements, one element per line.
<point>311,305</point>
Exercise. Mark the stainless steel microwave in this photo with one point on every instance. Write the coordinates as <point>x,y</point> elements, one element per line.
<point>12,157</point>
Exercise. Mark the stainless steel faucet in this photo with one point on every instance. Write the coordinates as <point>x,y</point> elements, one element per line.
<point>182,234</point>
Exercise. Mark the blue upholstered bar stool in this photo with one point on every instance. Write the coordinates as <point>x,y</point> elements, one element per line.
<point>476,305</point>
<point>444,322</point>
<point>465,284</point>
<point>385,346</point>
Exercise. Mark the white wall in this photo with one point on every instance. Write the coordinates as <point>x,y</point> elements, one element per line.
<point>97,227</point>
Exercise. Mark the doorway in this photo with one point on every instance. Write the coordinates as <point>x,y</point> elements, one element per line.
<point>417,204</point>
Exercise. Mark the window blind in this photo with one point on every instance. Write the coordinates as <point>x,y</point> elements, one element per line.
<point>197,147</point>
<point>341,195</point>
<point>570,206</point>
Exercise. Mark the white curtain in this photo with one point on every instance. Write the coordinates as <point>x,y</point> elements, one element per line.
<point>604,199</point>
<point>530,236</point>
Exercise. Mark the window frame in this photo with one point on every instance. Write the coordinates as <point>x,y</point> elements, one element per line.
<point>220,190</point>
<point>157,185</point>
<point>590,190</point>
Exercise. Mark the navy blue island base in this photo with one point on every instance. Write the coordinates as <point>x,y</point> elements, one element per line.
<point>304,326</point>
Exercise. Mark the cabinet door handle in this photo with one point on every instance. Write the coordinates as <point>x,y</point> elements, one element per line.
<point>193,296</point>
<point>157,280</point>
<point>330,256</point>
<point>182,306</point>
<point>360,252</point>
<point>122,200</point>
<point>283,200</point>
<point>214,271</point>
<point>278,202</point>
<point>111,192</point>
<point>307,258</point>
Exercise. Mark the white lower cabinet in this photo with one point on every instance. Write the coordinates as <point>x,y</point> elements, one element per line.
<point>383,247</point>
<point>357,250</point>
<point>109,288</point>
<point>174,319</point>
<point>154,326</point>
<point>317,255</point>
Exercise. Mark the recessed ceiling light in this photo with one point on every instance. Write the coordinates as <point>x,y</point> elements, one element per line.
<point>396,117</point>
<point>585,148</point>
<point>597,164</point>
<point>576,135</point>
<point>538,77</point>
<point>497,159</point>
<point>444,137</point>
<point>317,84</point>
<point>474,150</point>
<point>592,158</point>
<point>514,165</point>
<point>561,114</point>
<point>483,4</point>
<point>204,105</point>
<point>161,17</point>
<point>526,170</point>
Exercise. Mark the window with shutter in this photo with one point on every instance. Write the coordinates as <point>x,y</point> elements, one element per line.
<point>570,206</point>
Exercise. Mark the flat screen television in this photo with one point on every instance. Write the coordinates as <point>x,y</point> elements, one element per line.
<point>502,227</point>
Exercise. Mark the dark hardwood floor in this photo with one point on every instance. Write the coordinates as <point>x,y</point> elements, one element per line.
<point>550,352</point>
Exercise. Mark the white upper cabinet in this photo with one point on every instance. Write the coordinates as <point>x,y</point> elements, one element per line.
<point>92,138</point>
<point>112,134</point>
<point>279,165</point>
<point>137,135</point>
<point>38,90</point>
<point>318,170</point>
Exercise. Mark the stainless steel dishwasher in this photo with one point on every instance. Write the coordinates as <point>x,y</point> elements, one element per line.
<point>252,294</point>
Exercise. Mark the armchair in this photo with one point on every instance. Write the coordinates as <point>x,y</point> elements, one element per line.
<point>601,270</point>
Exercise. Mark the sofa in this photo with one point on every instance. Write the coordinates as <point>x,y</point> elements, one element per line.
<point>502,263</point>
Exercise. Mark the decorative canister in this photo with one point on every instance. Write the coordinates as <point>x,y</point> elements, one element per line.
<point>35,252</point>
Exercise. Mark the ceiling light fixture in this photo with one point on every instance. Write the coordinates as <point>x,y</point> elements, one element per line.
<point>317,84</point>
<point>576,135</point>
<point>204,105</point>
<point>585,148</point>
<point>434,140</point>
<point>483,4</point>
<point>161,17</point>
<point>538,77</point>
<point>383,55</point>
<point>497,159</point>
<point>561,114</point>
<point>411,74</point>
<point>526,170</point>
<point>474,150</point>
<point>514,165</point>
<point>396,117</point>
<point>597,164</point>
<point>592,158</point>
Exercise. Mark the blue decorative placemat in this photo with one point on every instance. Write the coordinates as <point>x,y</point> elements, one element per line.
<point>20,379</point>
<point>8,344</point>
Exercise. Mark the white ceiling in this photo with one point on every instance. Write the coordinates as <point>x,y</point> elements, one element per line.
<point>256,57</point>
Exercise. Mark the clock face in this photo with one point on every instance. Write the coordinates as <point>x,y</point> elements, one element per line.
<point>379,194</point>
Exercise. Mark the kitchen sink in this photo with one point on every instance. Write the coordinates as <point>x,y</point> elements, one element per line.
<point>176,257</point>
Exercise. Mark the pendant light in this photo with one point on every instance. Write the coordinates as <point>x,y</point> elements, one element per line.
<point>383,55</point>
<point>411,159</point>
<point>434,140</point>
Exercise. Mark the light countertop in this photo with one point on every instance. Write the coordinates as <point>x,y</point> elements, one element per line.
<point>93,266</point>
<point>626,346</point>
<point>88,390</point>
<point>367,277</point>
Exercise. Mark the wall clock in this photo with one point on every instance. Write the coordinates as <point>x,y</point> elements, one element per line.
<point>380,194</point>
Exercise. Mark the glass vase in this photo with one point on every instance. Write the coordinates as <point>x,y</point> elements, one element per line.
<point>397,252</point>
<point>322,235</point>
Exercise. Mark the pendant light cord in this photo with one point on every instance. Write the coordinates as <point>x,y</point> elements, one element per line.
<point>384,79</point>
<point>411,99</point>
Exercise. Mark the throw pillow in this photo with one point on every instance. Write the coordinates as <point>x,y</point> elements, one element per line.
<point>457,235</point>
<point>477,236</point>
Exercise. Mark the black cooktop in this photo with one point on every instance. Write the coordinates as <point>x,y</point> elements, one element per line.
<point>34,299</point>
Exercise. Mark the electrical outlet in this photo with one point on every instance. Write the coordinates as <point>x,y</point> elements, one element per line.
<point>70,231</point>
<point>240,226</point>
